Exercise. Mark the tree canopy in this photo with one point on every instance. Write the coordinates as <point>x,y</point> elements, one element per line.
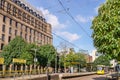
<point>47,54</point>
<point>102,60</point>
<point>106,29</point>
<point>73,59</point>
<point>18,48</point>
<point>14,49</point>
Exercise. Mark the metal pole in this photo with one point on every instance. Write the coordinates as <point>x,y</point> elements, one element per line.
<point>35,60</point>
<point>56,62</point>
<point>59,65</point>
<point>14,70</point>
<point>79,67</point>
<point>48,76</point>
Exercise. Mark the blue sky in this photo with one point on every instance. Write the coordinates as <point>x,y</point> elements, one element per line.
<point>83,12</point>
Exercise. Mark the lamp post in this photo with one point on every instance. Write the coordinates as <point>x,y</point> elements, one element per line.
<point>59,64</point>
<point>35,59</point>
<point>35,50</point>
<point>56,61</point>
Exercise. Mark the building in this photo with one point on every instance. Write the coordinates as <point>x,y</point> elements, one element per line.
<point>18,18</point>
<point>95,55</point>
<point>88,58</point>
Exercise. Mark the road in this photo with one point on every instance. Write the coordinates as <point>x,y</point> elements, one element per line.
<point>90,77</point>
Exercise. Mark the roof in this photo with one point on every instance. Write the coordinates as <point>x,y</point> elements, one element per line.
<point>31,7</point>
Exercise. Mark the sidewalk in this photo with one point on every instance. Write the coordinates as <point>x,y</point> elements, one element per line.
<point>61,75</point>
<point>70,75</point>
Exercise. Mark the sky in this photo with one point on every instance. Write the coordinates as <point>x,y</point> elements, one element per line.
<point>78,33</point>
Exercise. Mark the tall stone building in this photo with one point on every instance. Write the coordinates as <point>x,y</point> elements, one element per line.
<point>18,18</point>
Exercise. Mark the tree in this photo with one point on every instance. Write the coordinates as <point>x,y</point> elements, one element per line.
<point>106,29</point>
<point>47,54</point>
<point>70,59</point>
<point>102,60</point>
<point>14,49</point>
<point>29,54</point>
<point>81,59</point>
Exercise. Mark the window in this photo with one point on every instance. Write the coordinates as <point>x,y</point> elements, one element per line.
<point>21,26</point>
<point>21,34</point>
<point>32,21</point>
<point>14,11</point>
<point>25,36</point>
<point>16,24</point>
<point>27,8</point>
<point>4,18</point>
<point>19,14</point>
<point>3,37</point>
<point>10,30</point>
<point>2,4</point>
<point>34,39</point>
<point>47,40</point>
<point>8,7</point>
<point>2,45</point>
<point>24,17</point>
<point>3,28</point>
<point>28,19</point>
<point>34,32</point>
<point>10,21</point>
<point>30,38</point>
<point>25,28</point>
<point>30,30</point>
<point>15,32</point>
<point>9,38</point>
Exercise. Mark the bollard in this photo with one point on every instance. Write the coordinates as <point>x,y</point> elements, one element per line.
<point>4,68</point>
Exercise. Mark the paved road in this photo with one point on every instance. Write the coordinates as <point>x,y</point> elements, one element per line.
<point>90,77</point>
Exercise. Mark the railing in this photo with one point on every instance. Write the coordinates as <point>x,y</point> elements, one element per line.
<point>18,73</point>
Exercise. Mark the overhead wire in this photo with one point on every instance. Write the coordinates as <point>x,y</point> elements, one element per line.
<point>70,15</point>
<point>66,11</point>
<point>67,41</point>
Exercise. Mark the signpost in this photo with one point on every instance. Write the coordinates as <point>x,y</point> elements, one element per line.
<point>15,60</point>
<point>1,60</point>
<point>3,66</point>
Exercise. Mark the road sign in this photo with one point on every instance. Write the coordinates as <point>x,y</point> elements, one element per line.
<point>1,60</point>
<point>75,62</point>
<point>15,60</point>
<point>35,59</point>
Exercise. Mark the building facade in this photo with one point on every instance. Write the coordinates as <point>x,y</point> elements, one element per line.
<point>95,55</point>
<point>88,58</point>
<point>18,18</point>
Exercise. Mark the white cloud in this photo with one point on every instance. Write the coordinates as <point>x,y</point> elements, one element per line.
<point>84,19</point>
<point>58,27</point>
<point>69,36</point>
<point>96,9</point>
<point>52,19</point>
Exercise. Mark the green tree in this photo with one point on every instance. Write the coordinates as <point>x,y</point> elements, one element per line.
<point>14,49</point>
<point>102,60</point>
<point>106,29</point>
<point>47,54</point>
<point>29,54</point>
<point>71,59</point>
<point>81,59</point>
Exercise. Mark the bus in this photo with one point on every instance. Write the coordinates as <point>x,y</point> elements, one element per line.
<point>100,69</point>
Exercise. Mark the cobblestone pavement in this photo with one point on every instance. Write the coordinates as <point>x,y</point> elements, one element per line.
<point>90,77</point>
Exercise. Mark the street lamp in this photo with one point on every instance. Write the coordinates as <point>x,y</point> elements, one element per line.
<point>35,59</point>
<point>56,59</point>
<point>35,50</point>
